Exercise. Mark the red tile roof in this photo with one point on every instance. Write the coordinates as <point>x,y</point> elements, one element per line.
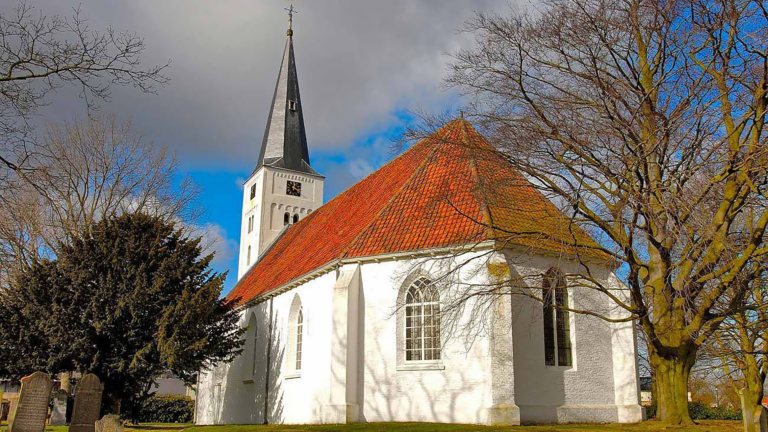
<point>449,189</point>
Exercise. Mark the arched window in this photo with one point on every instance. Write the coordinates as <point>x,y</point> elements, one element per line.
<point>297,327</point>
<point>299,334</point>
<point>249,350</point>
<point>422,321</point>
<point>249,256</point>
<point>286,218</point>
<point>557,327</point>
<point>295,218</point>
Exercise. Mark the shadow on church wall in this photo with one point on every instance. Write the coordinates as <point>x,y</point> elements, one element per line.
<point>249,398</point>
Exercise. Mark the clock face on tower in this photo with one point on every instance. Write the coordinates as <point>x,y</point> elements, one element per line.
<point>293,188</point>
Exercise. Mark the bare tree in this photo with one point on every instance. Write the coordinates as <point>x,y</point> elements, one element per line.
<point>83,172</point>
<point>739,347</point>
<point>39,54</point>
<point>644,122</point>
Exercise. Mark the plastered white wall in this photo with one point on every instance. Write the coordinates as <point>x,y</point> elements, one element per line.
<point>468,384</point>
<point>458,393</point>
<point>586,391</point>
<point>293,397</point>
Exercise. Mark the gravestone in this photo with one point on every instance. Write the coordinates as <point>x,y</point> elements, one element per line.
<point>32,405</point>
<point>87,404</point>
<point>110,423</point>
<point>12,410</point>
<point>59,411</point>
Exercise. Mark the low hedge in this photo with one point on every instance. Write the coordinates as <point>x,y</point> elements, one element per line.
<point>167,409</point>
<point>700,411</point>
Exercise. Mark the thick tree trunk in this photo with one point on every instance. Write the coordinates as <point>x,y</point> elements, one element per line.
<point>672,373</point>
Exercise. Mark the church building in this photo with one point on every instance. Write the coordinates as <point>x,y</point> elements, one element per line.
<point>344,312</point>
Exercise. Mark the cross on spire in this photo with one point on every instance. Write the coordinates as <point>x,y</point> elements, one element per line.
<point>291,11</point>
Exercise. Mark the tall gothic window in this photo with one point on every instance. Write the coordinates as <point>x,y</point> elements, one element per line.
<point>422,321</point>
<point>253,191</point>
<point>557,327</point>
<point>299,337</point>
<point>297,327</point>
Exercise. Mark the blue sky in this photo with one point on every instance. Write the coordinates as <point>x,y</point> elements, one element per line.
<point>361,65</point>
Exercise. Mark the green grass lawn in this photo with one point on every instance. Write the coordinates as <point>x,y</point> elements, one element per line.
<point>650,426</point>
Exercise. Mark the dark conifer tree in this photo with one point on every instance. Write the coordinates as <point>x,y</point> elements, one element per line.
<point>129,301</point>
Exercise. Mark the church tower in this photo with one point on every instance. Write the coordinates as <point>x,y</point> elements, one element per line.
<point>283,188</point>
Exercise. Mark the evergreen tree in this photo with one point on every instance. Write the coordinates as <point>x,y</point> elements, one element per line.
<point>132,299</point>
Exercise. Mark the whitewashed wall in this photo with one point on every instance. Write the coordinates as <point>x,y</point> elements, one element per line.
<point>476,384</point>
<point>298,399</point>
<point>587,391</point>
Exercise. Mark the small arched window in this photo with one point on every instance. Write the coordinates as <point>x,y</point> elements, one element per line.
<point>295,218</point>
<point>286,218</point>
<point>249,256</point>
<point>299,336</point>
<point>557,327</point>
<point>422,321</point>
<point>249,350</point>
<point>297,324</point>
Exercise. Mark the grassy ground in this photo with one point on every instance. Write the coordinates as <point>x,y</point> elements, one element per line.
<point>651,426</point>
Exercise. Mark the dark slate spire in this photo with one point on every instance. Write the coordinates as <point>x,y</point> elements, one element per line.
<point>285,140</point>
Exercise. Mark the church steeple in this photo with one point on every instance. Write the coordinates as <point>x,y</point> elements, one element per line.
<point>283,189</point>
<point>285,139</point>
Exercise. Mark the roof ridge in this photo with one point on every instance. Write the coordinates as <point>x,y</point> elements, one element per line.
<point>394,196</point>
<point>482,199</point>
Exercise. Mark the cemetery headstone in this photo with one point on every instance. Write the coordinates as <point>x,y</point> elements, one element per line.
<point>32,404</point>
<point>59,411</point>
<point>87,404</point>
<point>12,410</point>
<point>110,423</point>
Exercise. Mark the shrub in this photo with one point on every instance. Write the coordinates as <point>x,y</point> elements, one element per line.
<point>167,409</point>
<point>700,411</point>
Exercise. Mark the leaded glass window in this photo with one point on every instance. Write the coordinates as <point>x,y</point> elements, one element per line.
<point>557,327</point>
<point>422,321</point>
<point>299,328</point>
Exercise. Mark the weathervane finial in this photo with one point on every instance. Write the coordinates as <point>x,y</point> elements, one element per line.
<point>291,11</point>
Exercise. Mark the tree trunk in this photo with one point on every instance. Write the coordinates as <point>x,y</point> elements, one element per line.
<point>750,405</point>
<point>671,380</point>
<point>116,404</point>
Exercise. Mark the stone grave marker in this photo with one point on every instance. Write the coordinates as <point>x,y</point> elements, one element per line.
<point>59,411</point>
<point>32,404</point>
<point>87,404</point>
<point>110,423</point>
<point>14,403</point>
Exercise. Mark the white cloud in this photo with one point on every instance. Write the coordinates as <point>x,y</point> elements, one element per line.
<point>359,168</point>
<point>240,182</point>
<point>357,62</point>
<point>215,241</point>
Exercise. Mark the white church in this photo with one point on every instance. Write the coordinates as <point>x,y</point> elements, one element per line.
<point>343,318</point>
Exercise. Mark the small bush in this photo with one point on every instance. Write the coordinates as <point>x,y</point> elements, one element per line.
<point>167,409</point>
<point>700,411</point>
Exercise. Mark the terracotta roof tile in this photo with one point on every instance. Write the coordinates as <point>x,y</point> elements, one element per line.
<point>446,190</point>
